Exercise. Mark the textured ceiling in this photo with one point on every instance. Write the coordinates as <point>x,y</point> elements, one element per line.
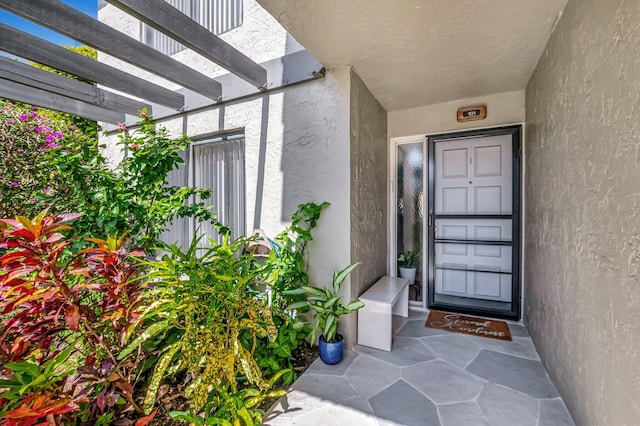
<point>412,53</point>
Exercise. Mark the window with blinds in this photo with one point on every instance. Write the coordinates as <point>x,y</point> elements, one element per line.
<point>216,164</point>
<point>218,16</point>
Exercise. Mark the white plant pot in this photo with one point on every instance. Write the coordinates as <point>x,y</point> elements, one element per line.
<point>408,273</point>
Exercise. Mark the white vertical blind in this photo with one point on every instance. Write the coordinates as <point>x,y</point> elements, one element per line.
<point>178,233</point>
<point>219,166</point>
<point>218,16</point>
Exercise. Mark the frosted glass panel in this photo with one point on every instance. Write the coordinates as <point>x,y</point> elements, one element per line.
<point>410,207</point>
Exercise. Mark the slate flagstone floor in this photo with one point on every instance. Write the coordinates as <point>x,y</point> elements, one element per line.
<point>430,377</point>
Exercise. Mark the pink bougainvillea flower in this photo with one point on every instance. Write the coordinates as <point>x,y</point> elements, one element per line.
<point>53,145</point>
<point>38,129</point>
<point>15,184</point>
<point>32,201</point>
<point>47,129</point>
<point>58,135</point>
<point>42,148</point>
<point>47,191</point>
<point>20,153</point>
<point>34,114</point>
<point>50,138</point>
<point>24,117</point>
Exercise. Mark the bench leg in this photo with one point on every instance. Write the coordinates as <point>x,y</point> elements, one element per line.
<point>401,307</point>
<point>374,325</point>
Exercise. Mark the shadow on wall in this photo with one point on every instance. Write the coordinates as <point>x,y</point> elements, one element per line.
<point>262,158</point>
<point>311,162</point>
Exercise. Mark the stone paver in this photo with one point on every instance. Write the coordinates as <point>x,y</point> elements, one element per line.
<point>368,376</point>
<point>431,377</point>
<point>442,382</point>
<point>553,412</point>
<point>457,349</point>
<point>402,404</point>
<point>461,414</point>
<point>501,406</point>
<point>406,351</point>
<point>416,328</point>
<point>319,367</point>
<point>329,388</point>
<point>519,346</point>
<point>520,374</point>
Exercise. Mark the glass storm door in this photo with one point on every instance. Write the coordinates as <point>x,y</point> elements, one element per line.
<point>474,222</point>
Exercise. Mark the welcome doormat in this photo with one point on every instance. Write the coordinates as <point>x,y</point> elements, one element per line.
<point>468,325</point>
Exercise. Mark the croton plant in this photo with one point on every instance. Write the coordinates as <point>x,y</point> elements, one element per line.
<point>51,299</point>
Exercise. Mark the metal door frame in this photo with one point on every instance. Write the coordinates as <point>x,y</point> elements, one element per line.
<point>516,294</point>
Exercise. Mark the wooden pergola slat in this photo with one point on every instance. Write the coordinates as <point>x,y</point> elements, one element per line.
<point>66,20</point>
<point>31,95</point>
<point>43,52</point>
<point>172,22</point>
<point>65,86</point>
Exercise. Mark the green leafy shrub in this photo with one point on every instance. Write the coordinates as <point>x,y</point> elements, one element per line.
<point>275,356</point>
<point>30,142</point>
<point>286,267</point>
<point>240,406</point>
<point>201,309</point>
<point>327,306</point>
<point>54,165</point>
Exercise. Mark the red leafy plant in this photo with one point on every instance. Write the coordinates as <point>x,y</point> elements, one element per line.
<point>52,298</point>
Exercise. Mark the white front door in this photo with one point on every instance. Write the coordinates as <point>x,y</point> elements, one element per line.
<point>473,203</point>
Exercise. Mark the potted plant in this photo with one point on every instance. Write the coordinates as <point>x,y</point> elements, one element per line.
<point>406,265</point>
<point>328,308</point>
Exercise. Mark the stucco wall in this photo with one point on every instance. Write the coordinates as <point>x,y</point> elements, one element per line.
<point>303,131</point>
<point>582,254</point>
<point>502,108</point>
<point>368,124</point>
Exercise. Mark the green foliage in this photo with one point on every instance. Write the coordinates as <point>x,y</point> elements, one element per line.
<point>137,196</point>
<point>29,378</point>
<point>226,404</point>
<point>407,259</point>
<point>31,139</point>
<point>202,314</point>
<point>327,306</point>
<point>29,142</point>
<point>286,266</point>
<point>191,319</point>
<point>50,164</point>
<point>273,357</point>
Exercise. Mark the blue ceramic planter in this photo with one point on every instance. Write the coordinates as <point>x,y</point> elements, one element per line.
<point>331,353</point>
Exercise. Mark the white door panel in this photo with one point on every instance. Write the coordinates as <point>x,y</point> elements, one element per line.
<point>474,177</point>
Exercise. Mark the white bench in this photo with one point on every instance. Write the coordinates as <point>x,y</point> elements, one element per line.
<point>388,296</point>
